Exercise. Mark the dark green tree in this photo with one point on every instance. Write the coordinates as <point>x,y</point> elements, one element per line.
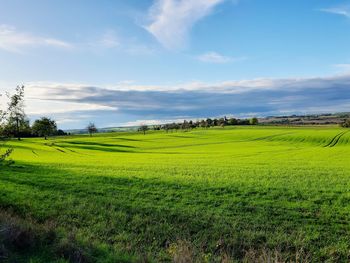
<point>44,127</point>
<point>253,121</point>
<point>232,121</point>
<point>345,124</point>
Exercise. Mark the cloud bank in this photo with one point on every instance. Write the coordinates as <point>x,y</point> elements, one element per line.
<point>260,97</point>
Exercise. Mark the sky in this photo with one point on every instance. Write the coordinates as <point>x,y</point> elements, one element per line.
<point>132,62</point>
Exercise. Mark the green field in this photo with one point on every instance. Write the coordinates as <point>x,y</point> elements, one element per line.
<point>216,195</point>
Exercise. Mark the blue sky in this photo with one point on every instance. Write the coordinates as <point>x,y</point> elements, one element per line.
<point>148,61</point>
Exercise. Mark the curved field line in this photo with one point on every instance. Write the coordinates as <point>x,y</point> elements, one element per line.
<point>270,137</point>
<point>335,139</point>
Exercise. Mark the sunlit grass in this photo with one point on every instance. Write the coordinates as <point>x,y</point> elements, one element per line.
<point>224,191</point>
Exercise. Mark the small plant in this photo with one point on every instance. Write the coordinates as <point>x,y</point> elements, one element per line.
<point>5,156</point>
<point>181,252</point>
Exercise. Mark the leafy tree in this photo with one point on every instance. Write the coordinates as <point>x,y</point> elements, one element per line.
<point>91,128</point>
<point>15,116</point>
<point>61,133</point>
<point>185,125</point>
<point>7,152</point>
<point>143,128</point>
<point>346,124</point>
<point>232,121</point>
<point>44,127</point>
<point>253,121</point>
<point>209,122</point>
<point>24,129</point>
<point>243,122</point>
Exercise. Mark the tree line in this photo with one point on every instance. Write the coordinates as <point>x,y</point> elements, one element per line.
<point>205,123</point>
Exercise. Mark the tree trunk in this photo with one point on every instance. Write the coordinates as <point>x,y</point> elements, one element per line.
<point>17,130</point>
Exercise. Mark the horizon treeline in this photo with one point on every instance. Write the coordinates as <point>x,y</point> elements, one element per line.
<point>205,123</point>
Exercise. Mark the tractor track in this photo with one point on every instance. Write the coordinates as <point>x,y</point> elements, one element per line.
<point>336,139</point>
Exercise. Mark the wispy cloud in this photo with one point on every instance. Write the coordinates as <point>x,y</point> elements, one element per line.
<point>109,40</point>
<point>214,57</point>
<point>343,10</point>
<point>171,20</point>
<point>13,40</point>
<point>343,67</point>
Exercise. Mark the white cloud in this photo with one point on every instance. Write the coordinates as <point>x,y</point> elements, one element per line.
<point>45,99</point>
<point>343,67</point>
<point>44,107</point>
<point>340,10</point>
<point>110,40</point>
<point>214,57</point>
<point>14,41</point>
<point>171,20</point>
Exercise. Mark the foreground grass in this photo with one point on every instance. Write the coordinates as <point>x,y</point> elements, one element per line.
<point>241,194</point>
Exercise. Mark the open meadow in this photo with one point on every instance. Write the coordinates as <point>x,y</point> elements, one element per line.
<point>208,195</point>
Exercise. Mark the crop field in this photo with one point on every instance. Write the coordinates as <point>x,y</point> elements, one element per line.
<point>237,194</point>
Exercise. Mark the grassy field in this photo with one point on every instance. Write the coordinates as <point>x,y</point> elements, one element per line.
<point>217,195</point>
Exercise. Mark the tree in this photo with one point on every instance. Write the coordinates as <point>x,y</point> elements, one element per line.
<point>253,121</point>
<point>222,122</point>
<point>232,121</point>
<point>91,128</point>
<point>143,128</point>
<point>166,127</point>
<point>185,125</point>
<point>15,116</point>
<point>203,124</point>
<point>7,152</point>
<point>209,122</point>
<point>345,124</point>
<point>61,133</point>
<point>44,127</point>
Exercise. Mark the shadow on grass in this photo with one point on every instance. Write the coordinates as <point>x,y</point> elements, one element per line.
<point>105,147</point>
<point>100,144</point>
<point>147,215</point>
<point>127,139</point>
<point>26,240</point>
